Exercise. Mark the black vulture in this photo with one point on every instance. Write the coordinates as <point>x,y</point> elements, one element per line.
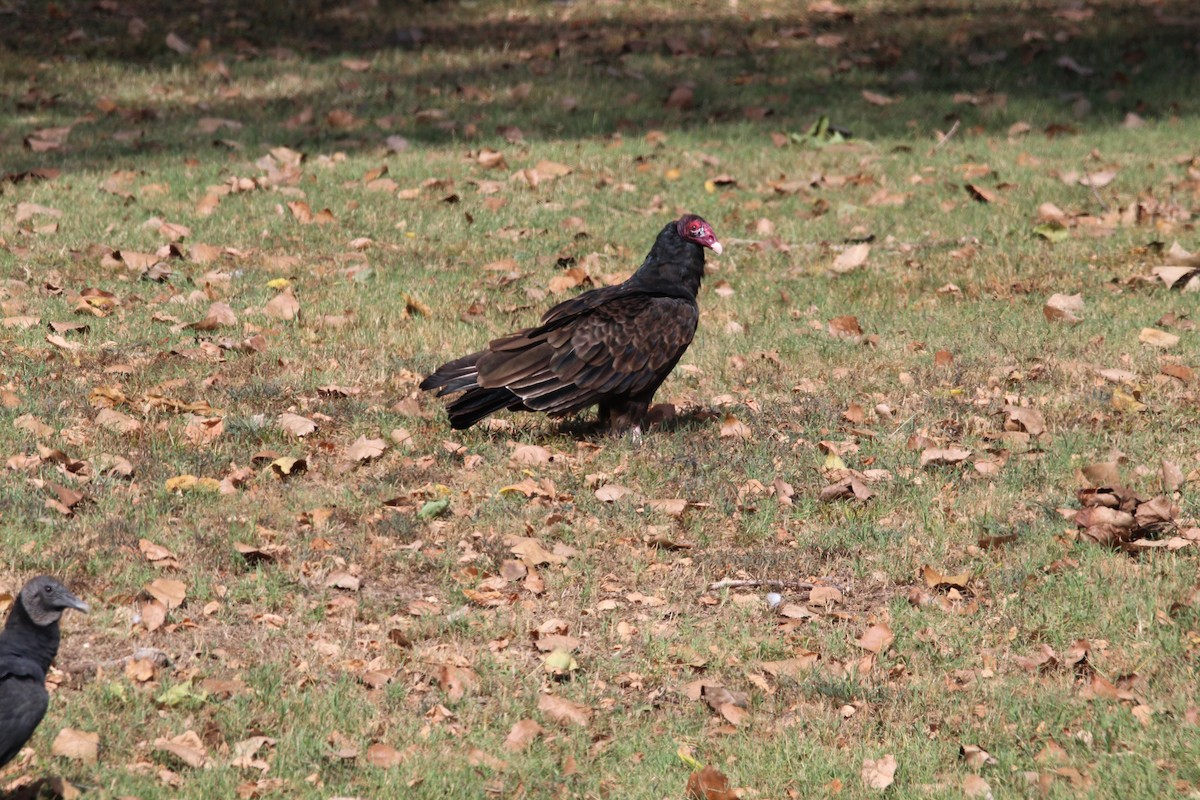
<point>28,645</point>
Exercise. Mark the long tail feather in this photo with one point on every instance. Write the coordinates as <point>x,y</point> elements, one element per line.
<point>454,376</point>
<point>477,403</point>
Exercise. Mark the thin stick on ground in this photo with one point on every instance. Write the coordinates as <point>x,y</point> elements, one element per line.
<point>737,583</point>
<point>942,142</point>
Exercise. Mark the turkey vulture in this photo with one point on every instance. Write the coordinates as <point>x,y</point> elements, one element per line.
<point>611,347</point>
<point>28,644</point>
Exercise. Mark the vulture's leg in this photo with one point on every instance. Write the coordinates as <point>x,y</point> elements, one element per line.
<point>624,415</point>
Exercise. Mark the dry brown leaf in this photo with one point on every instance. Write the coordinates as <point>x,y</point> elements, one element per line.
<point>31,424</point>
<point>1181,278</point>
<point>681,97</point>
<point>794,668</point>
<point>1098,180</point>
<point>876,639</point>
<point>156,552</point>
<point>1029,420</point>
<point>218,315</point>
<point>27,211</point>
<point>283,306</point>
<point>733,428</point>
<point>22,323</point>
<point>563,711</point>
<point>552,169</point>
<point>1171,475</point>
<point>846,489</point>
<point>977,788</point>
<point>296,424</point>
<point>77,745</point>
<point>532,553</point>
<point>934,579</point>
<point>364,449</point>
<point>187,747</point>
<point>944,456</point>
<point>170,593</point>
<point>153,615</point>
<point>611,492</point>
<point>981,194</point>
<point>851,258</point>
<point>975,756</point>
<point>340,579</point>
<point>531,454</point>
<point>1063,308</point>
<point>522,735</point>
<point>245,752</point>
<point>1157,338</point>
<point>203,430</point>
<point>60,342</point>
<point>877,99</point>
<point>845,327</point>
<point>672,506</point>
<point>734,714</point>
<point>709,784</point>
<point>384,756</point>
<point>879,773</point>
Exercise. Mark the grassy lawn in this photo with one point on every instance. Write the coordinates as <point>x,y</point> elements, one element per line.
<point>233,239</point>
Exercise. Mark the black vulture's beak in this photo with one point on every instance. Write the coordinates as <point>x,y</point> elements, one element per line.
<point>68,600</point>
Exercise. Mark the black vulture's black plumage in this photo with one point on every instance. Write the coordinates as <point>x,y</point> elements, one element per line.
<point>28,645</point>
<point>611,347</point>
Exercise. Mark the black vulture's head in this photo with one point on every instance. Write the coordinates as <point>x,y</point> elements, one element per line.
<point>45,599</point>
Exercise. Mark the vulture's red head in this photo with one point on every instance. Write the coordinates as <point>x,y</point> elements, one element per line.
<point>694,229</point>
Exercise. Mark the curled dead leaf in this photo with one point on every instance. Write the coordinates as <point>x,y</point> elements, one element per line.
<point>1063,308</point>
<point>187,747</point>
<point>1156,338</point>
<point>709,783</point>
<point>851,258</point>
<point>563,711</point>
<point>944,456</point>
<point>522,735</point>
<point>879,773</point>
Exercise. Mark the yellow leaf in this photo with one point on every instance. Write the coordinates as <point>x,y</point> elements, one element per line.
<point>284,466</point>
<point>1126,403</point>
<point>685,755</point>
<point>833,461</point>
<point>279,283</point>
<point>181,483</point>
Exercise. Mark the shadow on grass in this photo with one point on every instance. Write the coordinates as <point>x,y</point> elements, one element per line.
<point>443,72</point>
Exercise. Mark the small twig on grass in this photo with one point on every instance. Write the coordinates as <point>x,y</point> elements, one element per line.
<point>737,583</point>
<point>1099,199</point>
<point>941,142</point>
<point>902,426</point>
<point>731,583</point>
<point>89,668</point>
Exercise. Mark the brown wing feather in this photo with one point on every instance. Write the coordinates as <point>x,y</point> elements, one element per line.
<point>587,352</point>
